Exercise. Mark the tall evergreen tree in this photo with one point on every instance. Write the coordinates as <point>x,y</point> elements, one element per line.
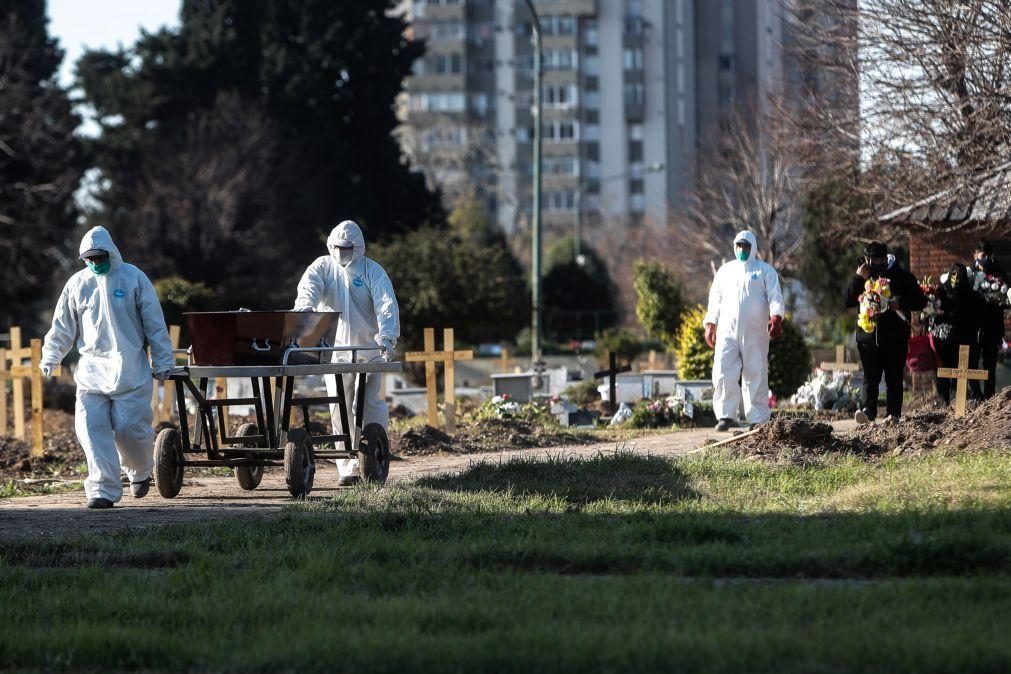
<point>40,163</point>
<point>232,144</point>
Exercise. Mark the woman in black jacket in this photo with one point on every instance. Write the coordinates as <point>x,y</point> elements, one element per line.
<point>957,323</point>
<point>991,334</point>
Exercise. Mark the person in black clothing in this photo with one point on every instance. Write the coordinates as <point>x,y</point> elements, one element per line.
<point>958,323</point>
<point>991,334</point>
<point>884,350</point>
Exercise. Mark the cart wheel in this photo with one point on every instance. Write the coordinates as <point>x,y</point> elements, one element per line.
<point>374,454</point>
<point>248,477</point>
<point>168,463</point>
<point>299,464</point>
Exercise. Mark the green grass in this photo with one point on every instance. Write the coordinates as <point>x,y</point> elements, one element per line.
<point>620,563</point>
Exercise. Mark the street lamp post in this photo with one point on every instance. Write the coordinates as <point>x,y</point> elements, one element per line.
<point>655,167</point>
<point>535,286</point>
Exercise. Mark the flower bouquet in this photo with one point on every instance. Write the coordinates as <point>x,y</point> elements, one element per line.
<point>873,302</point>
<point>932,292</point>
<point>993,289</point>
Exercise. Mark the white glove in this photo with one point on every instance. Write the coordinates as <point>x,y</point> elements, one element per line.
<point>304,309</point>
<point>47,370</point>
<point>388,346</point>
<point>162,375</point>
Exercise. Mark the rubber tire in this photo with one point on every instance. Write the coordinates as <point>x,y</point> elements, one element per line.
<point>168,462</point>
<point>299,463</point>
<point>248,477</point>
<point>374,455</point>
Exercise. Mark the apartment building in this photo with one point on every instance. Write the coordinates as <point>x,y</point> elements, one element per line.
<point>633,94</point>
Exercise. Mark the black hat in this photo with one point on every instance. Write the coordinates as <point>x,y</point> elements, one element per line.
<point>93,252</point>
<point>875,249</point>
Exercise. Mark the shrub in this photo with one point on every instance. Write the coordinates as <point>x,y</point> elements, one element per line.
<point>177,295</point>
<point>659,303</point>
<point>695,358</point>
<point>670,413</point>
<point>789,361</point>
<point>583,393</point>
<point>502,407</point>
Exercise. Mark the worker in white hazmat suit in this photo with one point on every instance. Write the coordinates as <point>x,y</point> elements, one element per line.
<point>111,311</point>
<point>359,288</point>
<point>745,311</point>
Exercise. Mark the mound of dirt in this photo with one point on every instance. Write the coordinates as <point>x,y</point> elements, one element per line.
<point>987,426</point>
<point>796,435</point>
<point>62,455</point>
<point>421,440</point>
<point>490,435</point>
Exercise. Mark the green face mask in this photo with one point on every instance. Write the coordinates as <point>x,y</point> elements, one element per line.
<point>742,254</point>
<point>100,268</point>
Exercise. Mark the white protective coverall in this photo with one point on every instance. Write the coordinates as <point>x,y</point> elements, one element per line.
<point>743,297</point>
<point>112,318</point>
<point>361,290</point>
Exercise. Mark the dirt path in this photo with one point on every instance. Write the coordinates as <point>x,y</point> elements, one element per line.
<point>206,497</point>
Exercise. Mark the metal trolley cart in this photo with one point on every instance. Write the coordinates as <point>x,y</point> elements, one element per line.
<point>271,441</point>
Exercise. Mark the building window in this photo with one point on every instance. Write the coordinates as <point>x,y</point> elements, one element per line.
<point>560,95</point>
<point>635,94</point>
<point>438,102</point>
<point>633,58</point>
<point>636,186</point>
<point>447,30</point>
<point>560,59</point>
<point>635,151</point>
<point>561,166</point>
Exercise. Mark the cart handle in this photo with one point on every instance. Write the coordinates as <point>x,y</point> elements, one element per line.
<point>310,349</point>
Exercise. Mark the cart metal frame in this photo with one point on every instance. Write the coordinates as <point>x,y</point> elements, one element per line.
<point>272,408</point>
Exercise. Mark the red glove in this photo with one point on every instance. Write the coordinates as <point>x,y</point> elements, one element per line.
<point>711,335</point>
<point>775,326</point>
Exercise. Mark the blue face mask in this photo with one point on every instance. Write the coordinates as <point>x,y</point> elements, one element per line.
<point>100,268</point>
<point>742,254</point>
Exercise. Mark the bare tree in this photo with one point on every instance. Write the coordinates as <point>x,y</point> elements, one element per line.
<point>935,90</point>
<point>754,181</point>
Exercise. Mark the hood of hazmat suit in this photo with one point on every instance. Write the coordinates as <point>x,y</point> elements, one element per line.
<point>112,318</point>
<point>360,290</point>
<point>742,298</point>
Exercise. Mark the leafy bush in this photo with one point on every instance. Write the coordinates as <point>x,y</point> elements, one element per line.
<point>789,355</point>
<point>789,361</point>
<point>670,413</point>
<point>503,407</point>
<point>695,358</point>
<point>583,392</point>
<point>659,301</point>
<point>177,295</point>
<point>624,343</point>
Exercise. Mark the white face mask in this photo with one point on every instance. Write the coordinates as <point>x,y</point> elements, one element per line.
<point>344,256</point>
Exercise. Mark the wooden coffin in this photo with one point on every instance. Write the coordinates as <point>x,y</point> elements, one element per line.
<point>260,337</point>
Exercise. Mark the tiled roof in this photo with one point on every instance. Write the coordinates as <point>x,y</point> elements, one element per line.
<point>984,201</point>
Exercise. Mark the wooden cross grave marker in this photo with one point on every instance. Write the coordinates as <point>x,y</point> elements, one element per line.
<point>430,357</point>
<point>17,372</point>
<point>963,374</point>
<point>163,393</point>
<point>840,362</point>
<point>612,376</point>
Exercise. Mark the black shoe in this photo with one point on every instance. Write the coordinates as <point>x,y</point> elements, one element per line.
<point>99,503</point>
<point>724,425</point>
<point>140,489</point>
<point>348,480</point>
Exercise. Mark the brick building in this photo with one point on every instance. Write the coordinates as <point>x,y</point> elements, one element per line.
<point>945,227</point>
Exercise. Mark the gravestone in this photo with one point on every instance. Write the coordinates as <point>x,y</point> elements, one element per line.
<point>519,387</point>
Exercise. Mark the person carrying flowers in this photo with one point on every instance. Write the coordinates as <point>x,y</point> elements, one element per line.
<point>991,334</point>
<point>887,295</point>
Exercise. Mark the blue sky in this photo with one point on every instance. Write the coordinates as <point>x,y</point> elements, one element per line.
<point>104,23</point>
